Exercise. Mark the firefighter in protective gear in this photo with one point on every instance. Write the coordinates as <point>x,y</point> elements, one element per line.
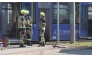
<point>21,27</point>
<point>28,25</point>
<point>42,24</point>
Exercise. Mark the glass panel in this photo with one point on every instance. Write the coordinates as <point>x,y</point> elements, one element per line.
<point>89,15</point>
<point>27,6</point>
<point>77,12</point>
<point>62,5</point>
<point>90,12</point>
<point>3,15</point>
<point>84,18</point>
<point>34,12</point>
<point>7,13</point>
<point>63,16</point>
<point>64,13</point>
<point>10,15</point>
<point>7,5</point>
<point>7,16</point>
<point>90,7</point>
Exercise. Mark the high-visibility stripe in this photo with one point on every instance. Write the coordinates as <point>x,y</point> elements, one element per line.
<point>21,39</point>
<point>43,23</point>
<point>42,40</point>
<point>28,39</point>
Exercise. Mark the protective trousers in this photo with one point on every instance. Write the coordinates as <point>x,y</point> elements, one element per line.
<point>28,34</point>
<point>22,37</point>
<point>41,34</point>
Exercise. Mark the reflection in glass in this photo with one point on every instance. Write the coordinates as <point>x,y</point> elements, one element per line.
<point>7,5</point>
<point>7,12</point>
<point>89,7</point>
<point>89,12</point>
<point>90,15</point>
<point>77,12</point>
<point>64,14</point>
<point>27,6</point>
<point>84,18</point>
<point>62,5</point>
<point>7,16</point>
<point>34,12</point>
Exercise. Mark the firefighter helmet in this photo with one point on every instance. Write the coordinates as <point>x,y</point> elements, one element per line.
<point>22,11</point>
<point>42,13</point>
<point>27,12</point>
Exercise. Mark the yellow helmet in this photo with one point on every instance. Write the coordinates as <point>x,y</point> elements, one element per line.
<point>42,13</point>
<point>27,12</point>
<point>23,11</point>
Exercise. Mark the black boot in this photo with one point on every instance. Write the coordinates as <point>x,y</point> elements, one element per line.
<point>43,43</point>
<point>29,43</point>
<point>22,45</point>
<point>40,45</point>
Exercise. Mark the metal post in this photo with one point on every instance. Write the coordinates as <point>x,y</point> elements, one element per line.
<point>58,22</point>
<point>32,19</point>
<point>72,22</point>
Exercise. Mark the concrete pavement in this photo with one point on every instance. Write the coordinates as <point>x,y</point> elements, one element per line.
<point>35,50</point>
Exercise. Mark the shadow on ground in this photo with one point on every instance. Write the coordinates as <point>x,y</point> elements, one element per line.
<point>78,52</point>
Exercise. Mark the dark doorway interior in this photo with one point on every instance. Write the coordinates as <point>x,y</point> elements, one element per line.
<point>90,20</point>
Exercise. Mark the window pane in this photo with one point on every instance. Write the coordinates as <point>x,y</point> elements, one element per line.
<point>90,12</point>
<point>63,16</point>
<point>10,15</point>
<point>90,15</point>
<point>84,18</point>
<point>34,13</point>
<point>27,6</point>
<point>77,12</point>
<point>7,5</point>
<point>90,7</point>
<point>62,5</point>
<point>3,15</point>
<point>7,16</point>
<point>64,13</point>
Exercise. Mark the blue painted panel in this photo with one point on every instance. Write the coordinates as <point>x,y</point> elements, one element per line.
<point>64,32</point>
<point>83,19</point>
<point>35,26</point>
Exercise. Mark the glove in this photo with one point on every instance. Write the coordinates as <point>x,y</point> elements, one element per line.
<point>40,29</point>
<point>28,25</point>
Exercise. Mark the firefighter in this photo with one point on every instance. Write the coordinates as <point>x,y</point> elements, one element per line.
<point>28,25</point>
<point>42,24</point>
<point>22,28</point>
